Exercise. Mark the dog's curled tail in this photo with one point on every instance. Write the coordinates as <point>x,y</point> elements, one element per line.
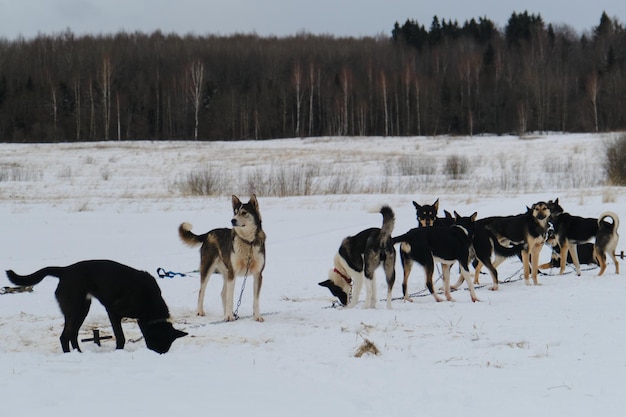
<point>188,237</point>
<point>389,221</point>
<point>614,218</point>
<point>34,278</point>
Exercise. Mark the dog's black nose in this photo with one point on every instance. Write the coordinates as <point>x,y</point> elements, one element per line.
<point>233,222</point>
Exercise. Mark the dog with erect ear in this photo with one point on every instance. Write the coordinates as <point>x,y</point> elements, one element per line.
<point>571,231</point>
<point>426,215</point>
<point>357,259</point>
<point>529,230</point>
<point>122,290</point>
<point>231,252</point>
<point>435,244</point>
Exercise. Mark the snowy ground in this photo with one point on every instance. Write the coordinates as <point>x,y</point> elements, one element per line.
<point>554,349</point>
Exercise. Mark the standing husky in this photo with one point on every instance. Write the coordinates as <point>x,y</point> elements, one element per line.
<point>231,252</point>
<point>359,256</point>
<point>529,230</point>
<point>122,290</point>
<point>570,231</point>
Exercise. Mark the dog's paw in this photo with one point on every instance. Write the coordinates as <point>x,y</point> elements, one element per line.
<point>229,317</point>
<point>259,319</point>
<point>493,288</point>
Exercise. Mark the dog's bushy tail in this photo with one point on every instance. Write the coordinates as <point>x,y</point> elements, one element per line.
<point>188,237</point>
<point>612,227</point>
<point>34,278</point>
<point>389,221</point>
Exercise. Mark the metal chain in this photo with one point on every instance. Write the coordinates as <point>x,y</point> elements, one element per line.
<point>243,285</point>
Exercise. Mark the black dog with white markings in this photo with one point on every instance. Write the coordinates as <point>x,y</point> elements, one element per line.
<point>122,290</point>
<point>445,245</point>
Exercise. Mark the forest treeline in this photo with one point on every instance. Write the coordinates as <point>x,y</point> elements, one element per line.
<point>446,78</point>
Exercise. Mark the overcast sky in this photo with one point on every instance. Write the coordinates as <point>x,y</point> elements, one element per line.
<point>27,18</point>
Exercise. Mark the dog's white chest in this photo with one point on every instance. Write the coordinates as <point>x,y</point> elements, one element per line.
<point>247,259</point>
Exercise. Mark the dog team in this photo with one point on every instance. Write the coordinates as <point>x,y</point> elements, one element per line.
<point>240,251</point>
<point>458,239</point>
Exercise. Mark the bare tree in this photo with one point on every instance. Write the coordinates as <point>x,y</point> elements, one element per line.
<point>408,77</point>
<point>106,79</point>
<point>297,82</point>
<point>196,78</point>
<point>592,88</point>
<point>92,111</point>
<point>314,85</point>
<point>77,107</point>
<point>346,86</point>
<point>383,87</point>
<point>55,107</point>
<point>119,119</point>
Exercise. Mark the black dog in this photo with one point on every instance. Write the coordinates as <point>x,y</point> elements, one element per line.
<point>571,231</point>
<point>447,245</point>
<point>122,290</point>
<point>528,230</point>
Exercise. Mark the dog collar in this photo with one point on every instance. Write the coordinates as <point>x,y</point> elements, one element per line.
<point>344,276</point>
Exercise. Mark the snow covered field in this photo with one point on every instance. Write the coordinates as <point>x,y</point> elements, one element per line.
<point>554,349</point>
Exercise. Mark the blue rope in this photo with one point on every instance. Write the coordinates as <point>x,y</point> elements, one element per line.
<point>162,273</point>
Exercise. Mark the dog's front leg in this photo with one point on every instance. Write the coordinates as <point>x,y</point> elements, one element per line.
<point>534,260</point>
<point>228,289</point>
<point>370,282</point>
<point>526,266</point>
<point>258,280</point>
<point>116,323</point>
<point>563,253</point>
<point>356,289</point>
